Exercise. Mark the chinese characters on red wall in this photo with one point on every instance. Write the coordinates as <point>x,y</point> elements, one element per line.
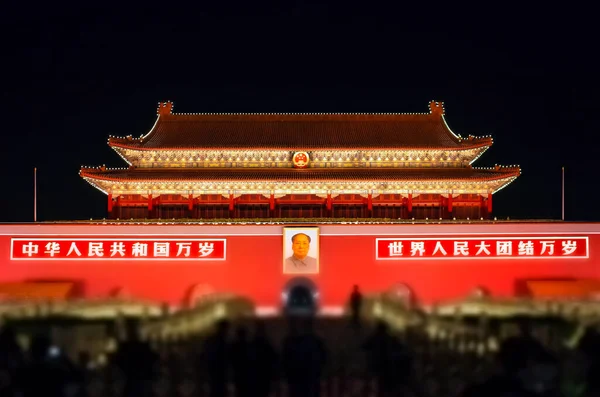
<point>482,247</point>
<point>511,247</point>
<point>125,248</point>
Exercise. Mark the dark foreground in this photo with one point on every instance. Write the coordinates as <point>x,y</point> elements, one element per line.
<point>315,357</point>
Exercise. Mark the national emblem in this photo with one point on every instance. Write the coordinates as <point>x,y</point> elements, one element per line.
<point>300,160</point>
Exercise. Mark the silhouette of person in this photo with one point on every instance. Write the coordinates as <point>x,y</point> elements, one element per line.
<point>589,350</point>
<point>355,305</point>
<point>84,371</point>
<point>388,360</point>
<point>304,357</point>
<point>523,347</point>
<point>137,361</point>
<point>11,359</point>
<point>217,357</point>
<point>264,359</point>
<point>241,363</point>
<point>41,376</point>
<point>517,357</point>
<point>300,261</point>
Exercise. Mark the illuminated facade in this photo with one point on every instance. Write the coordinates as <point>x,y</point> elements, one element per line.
<point>300,166</point>
<point>167,261</point>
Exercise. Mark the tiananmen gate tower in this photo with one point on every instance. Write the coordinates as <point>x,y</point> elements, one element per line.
<point>261,205</point>
<point>300,166</point>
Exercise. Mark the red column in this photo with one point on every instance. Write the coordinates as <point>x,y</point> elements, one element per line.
<point>370,202</point>
<point>118,214</point>
<point>190,202</point>
<point>272,202</point>
<point>110,203</point>
<point>481,206</point>
<point>450,203</point>
<point>409,203</point>
<point>150,202</point>
<point>328,201</point>
<point>489,204</point>
<point>441,205</point>
<point>230,202</point>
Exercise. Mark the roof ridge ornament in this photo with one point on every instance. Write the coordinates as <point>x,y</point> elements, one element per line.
<point>436,108</point>
<point>165,108</point>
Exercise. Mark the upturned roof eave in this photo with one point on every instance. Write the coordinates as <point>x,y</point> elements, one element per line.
<point>138,146</point>
<point>100,175</point>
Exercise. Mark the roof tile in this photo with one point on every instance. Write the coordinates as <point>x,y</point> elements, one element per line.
<point>298,131</point>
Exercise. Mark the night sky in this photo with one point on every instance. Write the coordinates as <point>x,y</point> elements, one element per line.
<point>75,75</point>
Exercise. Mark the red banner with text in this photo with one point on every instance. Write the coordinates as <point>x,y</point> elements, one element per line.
<point>115,249</point>
<point>512,247</point>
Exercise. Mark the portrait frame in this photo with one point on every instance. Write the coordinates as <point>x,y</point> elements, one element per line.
<point>311,264</point>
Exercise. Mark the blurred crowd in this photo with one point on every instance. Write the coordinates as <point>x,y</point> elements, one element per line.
<point>308,359</point>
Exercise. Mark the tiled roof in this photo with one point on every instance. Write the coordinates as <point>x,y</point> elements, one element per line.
<point>291,175</point>
<point>300,132</point>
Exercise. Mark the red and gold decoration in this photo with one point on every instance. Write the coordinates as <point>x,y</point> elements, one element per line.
<point>382,165</point>
<point>300,160</point>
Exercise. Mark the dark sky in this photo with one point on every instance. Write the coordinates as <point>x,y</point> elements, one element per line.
<point>75,75</point>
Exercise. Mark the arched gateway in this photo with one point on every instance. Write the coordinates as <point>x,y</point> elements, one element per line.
<point>300,296</point>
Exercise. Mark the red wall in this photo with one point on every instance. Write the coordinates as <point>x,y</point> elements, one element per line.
<point>254,261</point>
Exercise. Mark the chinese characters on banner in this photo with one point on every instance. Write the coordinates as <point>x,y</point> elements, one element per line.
<point>509,247</point>
<point>115,249</point>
